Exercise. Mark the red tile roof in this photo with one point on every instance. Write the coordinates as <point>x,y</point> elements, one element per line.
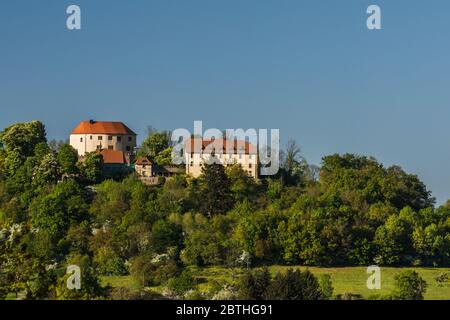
<point>102,127</point>
<point>112,156</point>
<point>221,146</point>
<point>143,160</point>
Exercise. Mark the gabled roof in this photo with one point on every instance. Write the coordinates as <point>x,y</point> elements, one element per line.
<point>143,160</point>
<point>220,146</point>
<point>102,127</point>
<point>113,157</point>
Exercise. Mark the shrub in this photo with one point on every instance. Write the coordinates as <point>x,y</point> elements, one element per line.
<point>295,285</point>
<point>326,286</point>
<point>409,286</point>
<point>181,284</point>
<point>441,278</point>
<point>254,284</point>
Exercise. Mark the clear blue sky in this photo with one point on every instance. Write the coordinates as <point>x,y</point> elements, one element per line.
<point>310,68</point>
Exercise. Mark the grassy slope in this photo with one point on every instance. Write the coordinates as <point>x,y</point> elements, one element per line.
<point>350,279</point>
<point>354,279</point>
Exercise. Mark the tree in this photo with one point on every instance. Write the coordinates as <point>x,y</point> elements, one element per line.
<point>274,189</point>
<point>404,190</point>
<point>409,286</point>
<point>174,196</point>
<point>206,240</point>
<point>295,285</point>
<point>13,161</point>
<point>91,167</point>
<point>294,166</point>
<point>215,190</point>
<point>242,185</point>
<point>393,240</point>
<point>23,137</point>
<point>182,283</point>
<point>155,143</point>
<point>91,288</point>
<point>56,211</point>
<point>254,284</point>
<point>48,171</point>
<point>41,150</point>
<point>164,158</point>
<point>326,286</point>
<point>149,269</point>
<point>164,235</point>
<point>67,159</point>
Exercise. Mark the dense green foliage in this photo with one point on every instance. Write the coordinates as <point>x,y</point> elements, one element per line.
<point>56,210</point>
<point>258,284</point>
<point>409,286</point>
<point>157,146</point>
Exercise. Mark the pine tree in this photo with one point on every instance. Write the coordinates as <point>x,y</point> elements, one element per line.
<point>215,195</point>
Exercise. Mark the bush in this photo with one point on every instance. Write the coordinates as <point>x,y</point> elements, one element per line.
<point>109,263</point>
<point>150,270</point>
<point>181,284</point>
<point>254,284</point>
<point>409,286</point>
<point>442,278</point>
<point>295,285</point>
<point>326,286</point>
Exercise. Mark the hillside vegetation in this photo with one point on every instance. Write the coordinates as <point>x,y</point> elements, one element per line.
<point>57,211</point>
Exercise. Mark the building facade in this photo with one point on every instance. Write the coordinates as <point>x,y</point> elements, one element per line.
<point>91,136</point>
<point>199,151</point>
<point>151,173</point>
<point>144,167</point>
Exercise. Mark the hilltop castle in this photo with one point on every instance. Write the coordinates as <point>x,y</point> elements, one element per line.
<point>117,144</point>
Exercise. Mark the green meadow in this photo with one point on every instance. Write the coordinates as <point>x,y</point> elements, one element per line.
<point>345,279</point>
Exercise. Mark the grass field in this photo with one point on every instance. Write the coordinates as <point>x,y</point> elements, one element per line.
<point>348,279</point>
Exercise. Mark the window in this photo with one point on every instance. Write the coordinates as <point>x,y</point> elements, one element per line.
<point>110,138</point>
<point>129,139</point>
<point>249,165</point>
<point>81,139</point>
<point>110,147</point>
<point>192,163</point>
<point>119,139</point>
<point>128,148</point>
<point>100,138</point>
<point>90,137</point>
<point>99,147</point>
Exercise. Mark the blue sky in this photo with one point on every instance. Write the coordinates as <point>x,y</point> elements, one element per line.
<point>310,68</point>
